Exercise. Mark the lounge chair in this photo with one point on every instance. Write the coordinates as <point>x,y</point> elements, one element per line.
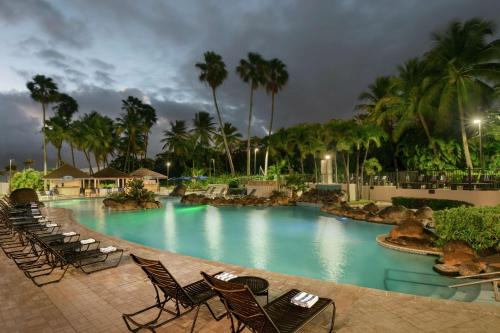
<point>279,316</point>
<point>209,191</point>
<point>189,297</point>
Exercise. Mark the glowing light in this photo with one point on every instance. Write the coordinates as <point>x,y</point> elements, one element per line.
<point>327,157</point>
<point>477,121</point>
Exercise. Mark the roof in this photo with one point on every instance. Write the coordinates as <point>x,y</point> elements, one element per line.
<point>67,172</point>
<point>110,173</point>
<point>146,173</point>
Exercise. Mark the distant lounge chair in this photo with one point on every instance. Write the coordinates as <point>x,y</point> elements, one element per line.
<point>279,316</point>
<point>209,191</point>
<point>189,297</point>
<point>252,192</point>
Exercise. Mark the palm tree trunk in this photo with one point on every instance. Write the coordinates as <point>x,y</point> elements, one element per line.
<point>127,157</point>
<point>59,156</point>
<point>221,124</point>
<point>97,162</point>
<point>346,174</point>
<point>301,163</point>
<point>358,151</point>
<point>427,132</point>
<point>249,153</point>
<point>146,145</point>
<point>465,142</point>
<point>335,165</point>
<point>88,160</point>
<point>72,153</point>
<point>363,168</point>
<point>266,161</point>
<point>44,148</point>
<point>315,168</point>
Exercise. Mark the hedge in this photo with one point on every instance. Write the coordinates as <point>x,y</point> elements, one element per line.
<point>435,204</point>
<point>480,227</point>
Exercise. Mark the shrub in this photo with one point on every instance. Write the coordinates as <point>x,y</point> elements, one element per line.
<point>480,227</point>
<point>435,204</point>
<point>28,178</point>
<point>136,192</point>
<point>234,183</point>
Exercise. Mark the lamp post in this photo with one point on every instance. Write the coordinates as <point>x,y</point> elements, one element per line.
<point>10,172</point>
<point>478,122</point>
<point>213,162</point>
<point>168,169</point>
<point>255,160</point>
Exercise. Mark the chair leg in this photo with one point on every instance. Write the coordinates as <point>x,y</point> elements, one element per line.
<point>195,318</point>
<point>333,317</point>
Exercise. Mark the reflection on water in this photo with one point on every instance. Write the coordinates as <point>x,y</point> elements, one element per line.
<point>291,240</point>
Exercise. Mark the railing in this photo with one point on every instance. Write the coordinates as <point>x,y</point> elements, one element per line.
<point>494,281</point>
<point>469,179</point>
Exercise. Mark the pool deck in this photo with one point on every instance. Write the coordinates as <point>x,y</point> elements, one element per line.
<point>94,303</point>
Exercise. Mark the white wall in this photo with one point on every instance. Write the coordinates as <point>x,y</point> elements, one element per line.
<point>4,188</point>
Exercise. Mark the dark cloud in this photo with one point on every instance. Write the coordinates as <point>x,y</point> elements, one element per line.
<point>49,19</point>
<point>333,50</point>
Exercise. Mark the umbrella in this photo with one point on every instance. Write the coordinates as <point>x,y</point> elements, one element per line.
<point>201,177</point>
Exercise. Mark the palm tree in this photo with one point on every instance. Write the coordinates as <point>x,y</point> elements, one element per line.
<point>176,140</point>
<point>80,132</point>
<point>43,90</point>
<point>55,133</point>
<point>133,128</point>
<point>276,77</point>
<point>213,72</point>
<point>376,92</point>
<point>233,137</point>
<point>203,129</point>
<point>149,118</point>
<point>470,69</point>
<point>302,138</point>
<point>251,71</point>
<point>65,108</point>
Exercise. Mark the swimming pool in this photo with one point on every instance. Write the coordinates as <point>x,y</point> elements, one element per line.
<point>291,240</point>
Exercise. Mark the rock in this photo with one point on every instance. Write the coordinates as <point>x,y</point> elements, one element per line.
<point>371,207</point>
<point>178,191</point>
<point>457,258</point>
<point>356,214</point>
<point>374,218</point>
<point>408,229</point>
<point>458,246</point>
<point>471,268</point>
<point>151,205</point>
<point>396,214</point>
<point>109,203</point>
<point>424,213</point>
<point>447,270</point>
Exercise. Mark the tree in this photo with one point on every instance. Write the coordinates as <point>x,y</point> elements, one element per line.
<point>213,72</point>
<point>276,77</point>
<point>55,133</point>
<point>233,137</point>
<point>203,129</point>
<point>65,108</point>
<point>149,118</point>
<point>132,128</point>
<point>177,141</point>
<point>28,163</point>
<point>43,90</point>
<point>470,70</point>
<point>251,71</point>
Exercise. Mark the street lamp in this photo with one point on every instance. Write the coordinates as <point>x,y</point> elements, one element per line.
<point>478,122</point>
<point>255,160</point>
<point>10,171</point>
<point>168,169</point>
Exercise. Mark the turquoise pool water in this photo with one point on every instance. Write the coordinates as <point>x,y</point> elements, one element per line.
<point>292,240</point>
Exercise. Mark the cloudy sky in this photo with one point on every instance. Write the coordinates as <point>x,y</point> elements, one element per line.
<point>102,51</point>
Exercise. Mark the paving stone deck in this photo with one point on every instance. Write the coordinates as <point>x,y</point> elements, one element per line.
<point>94,303</point>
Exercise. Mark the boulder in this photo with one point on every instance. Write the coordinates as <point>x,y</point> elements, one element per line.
<point>151,205</point>
<point>178,191</point>
<point>424,213</point>
<point>458,246</point>
<point>109,203</point>
<point>374,218</point>
<point>396,214</point>
<point>356,214</point>
<point>408,229</point>
<point>371,207</point>
<point>457,258</point>
<point>447,270</point>
<point>471,268</point>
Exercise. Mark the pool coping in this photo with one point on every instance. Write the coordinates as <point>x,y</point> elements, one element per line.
<point>381,240</point>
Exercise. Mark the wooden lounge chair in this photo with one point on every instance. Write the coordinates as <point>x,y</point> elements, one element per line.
<point>189,297</point>
<point>279,316</point>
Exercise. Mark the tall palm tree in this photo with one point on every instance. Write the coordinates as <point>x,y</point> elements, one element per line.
<point>176,140</point>
<point>43,90</point>
<point>276,77</point>
<point>55,133</point>
<point>251,71</point>
<point>378,90</point>
<point>130,124</point>
<point>213,72</point>
<point>233,137</point>
<point>65,108</point>
<point>149,118</point>
<point>470,69</point>
<point>301,137</point>
<point>203,129</point>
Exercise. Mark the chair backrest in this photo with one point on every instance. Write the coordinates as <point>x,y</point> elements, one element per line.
<point>161,278</point>
<point>240,302</point>
<point>252,192</point>
<point>23,196</point>
<point>210,189</point>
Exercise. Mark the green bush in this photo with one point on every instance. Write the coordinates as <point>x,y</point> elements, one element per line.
<point>480,227</point>
<point>28,178</point>
<point>435,204</point>
<point>234,183</point>
<point>136,192</point>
